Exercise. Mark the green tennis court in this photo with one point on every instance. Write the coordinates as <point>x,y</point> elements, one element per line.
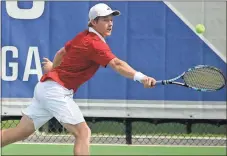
<point>66,149</point>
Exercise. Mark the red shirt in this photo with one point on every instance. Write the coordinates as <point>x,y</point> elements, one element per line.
<point>84,55</point>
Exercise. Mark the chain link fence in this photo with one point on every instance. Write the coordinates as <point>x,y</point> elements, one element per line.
<point>134,131</point>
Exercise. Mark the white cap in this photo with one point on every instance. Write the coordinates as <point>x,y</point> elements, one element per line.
<point>101,9</point>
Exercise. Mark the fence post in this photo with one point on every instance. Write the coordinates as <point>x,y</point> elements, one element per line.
<point>128,131</point>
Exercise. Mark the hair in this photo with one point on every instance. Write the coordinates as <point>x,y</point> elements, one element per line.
<point>96,19</point>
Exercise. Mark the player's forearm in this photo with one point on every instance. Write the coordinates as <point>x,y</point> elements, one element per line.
<point>58,57</point>
<point>125,70</point>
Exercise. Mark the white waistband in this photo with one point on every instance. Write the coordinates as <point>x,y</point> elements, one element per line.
<point>56,86</point>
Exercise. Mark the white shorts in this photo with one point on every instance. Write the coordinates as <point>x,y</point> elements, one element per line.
<point>53,100</point>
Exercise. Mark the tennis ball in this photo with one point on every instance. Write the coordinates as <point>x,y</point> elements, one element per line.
<point>200,28</point>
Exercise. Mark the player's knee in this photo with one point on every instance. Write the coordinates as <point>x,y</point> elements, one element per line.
<point>84,132</point>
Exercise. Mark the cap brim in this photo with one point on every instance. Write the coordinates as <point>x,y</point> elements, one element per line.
<point>116,13</point>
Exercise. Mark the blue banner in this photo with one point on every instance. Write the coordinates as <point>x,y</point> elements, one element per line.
<point>147,35</point>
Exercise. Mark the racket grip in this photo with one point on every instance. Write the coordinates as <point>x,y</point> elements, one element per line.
<point>160,82</point>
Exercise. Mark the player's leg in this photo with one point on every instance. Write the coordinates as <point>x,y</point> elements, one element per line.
<point>20,132</point>
<point>34,116</point>
<point>67,112</point>
<point>82,134</point>
<point>59,102</point>
<point>71,117</point>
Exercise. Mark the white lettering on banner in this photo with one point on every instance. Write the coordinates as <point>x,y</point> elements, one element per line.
<point>12,65</point>
<point>33,51</point>
<point>35,12</point>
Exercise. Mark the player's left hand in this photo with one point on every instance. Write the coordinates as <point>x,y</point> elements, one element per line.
<point>47,65</point>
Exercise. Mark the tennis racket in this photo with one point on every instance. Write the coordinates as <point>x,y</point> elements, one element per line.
<point>203,78</point>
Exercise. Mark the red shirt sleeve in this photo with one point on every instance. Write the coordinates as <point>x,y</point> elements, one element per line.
<point>101,53</point>
<point>67,45</point>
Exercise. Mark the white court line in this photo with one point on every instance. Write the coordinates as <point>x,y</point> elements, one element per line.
<point>70,144</point>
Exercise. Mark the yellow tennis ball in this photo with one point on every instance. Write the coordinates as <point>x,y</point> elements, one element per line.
<point>200,28</point>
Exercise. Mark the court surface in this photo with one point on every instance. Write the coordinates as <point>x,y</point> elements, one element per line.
<point>66,149</point>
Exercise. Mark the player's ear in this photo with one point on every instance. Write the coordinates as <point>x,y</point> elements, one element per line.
<point>94,22</point>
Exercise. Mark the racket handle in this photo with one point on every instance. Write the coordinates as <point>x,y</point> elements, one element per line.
<point>160,82</point>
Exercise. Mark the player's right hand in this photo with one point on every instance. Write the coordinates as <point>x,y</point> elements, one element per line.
<point>148,82</point>
<point>47,65</point>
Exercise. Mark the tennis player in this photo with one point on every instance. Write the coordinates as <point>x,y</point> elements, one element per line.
<point>73,65</point>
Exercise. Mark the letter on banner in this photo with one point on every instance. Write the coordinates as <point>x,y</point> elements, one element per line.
<point>28,71</point>
<point>12,65</point>
<point>35,12</point>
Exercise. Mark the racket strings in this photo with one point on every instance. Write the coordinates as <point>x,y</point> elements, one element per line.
<point>205,78</point>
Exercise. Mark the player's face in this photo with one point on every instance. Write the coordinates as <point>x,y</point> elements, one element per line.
<point>104,25</point>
